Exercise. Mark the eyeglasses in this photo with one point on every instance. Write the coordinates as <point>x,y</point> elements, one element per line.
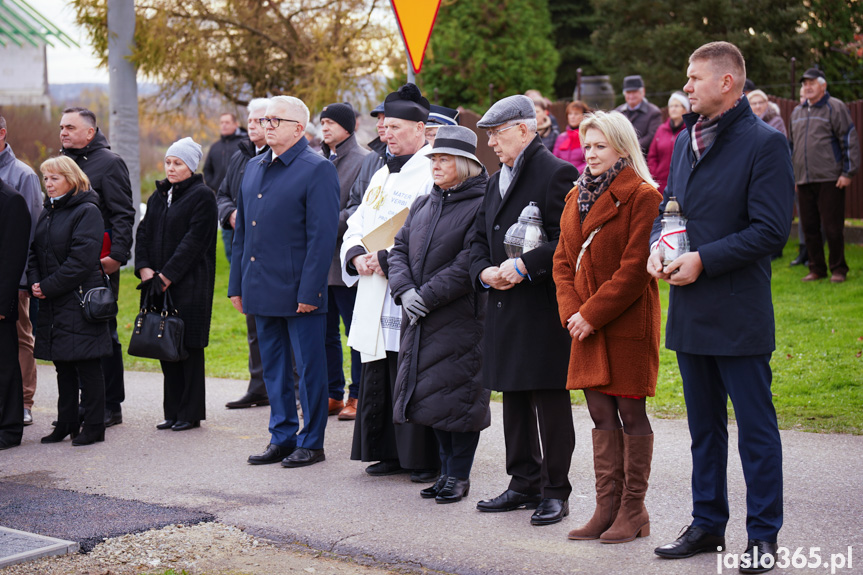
<point>495,133</point>
<point>274,122</point>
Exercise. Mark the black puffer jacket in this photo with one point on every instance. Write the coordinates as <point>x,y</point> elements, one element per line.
<point>63,257</point>
<point>109,178</point>
<point>180,242</point>
<point>439,380</point>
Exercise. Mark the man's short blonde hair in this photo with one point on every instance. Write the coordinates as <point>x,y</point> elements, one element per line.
<point>725,58</point>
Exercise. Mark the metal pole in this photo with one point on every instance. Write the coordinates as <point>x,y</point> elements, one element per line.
<point>123,93</point>
<point>490,94</point>
<point>578,84</point>
<point>794,77</point>
<point>412,79</point>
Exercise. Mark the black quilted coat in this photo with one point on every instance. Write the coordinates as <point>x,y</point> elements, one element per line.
<point>63,257</point>
<point>180,242</point>
<point>439,382</point>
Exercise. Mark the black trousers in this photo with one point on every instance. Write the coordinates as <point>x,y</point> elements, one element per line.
<point>822,206</point>
<point>531,418</point>
<point>376,437</point>
<point>88,374</point>
<point>11,390</point>
<point>184,398</point>
<point>457,449</point>
<point>112,365</point>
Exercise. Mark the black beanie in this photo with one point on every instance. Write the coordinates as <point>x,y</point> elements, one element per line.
<point>342,114</point>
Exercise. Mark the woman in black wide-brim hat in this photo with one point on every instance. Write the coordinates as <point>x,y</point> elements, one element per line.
<point>439,383</point>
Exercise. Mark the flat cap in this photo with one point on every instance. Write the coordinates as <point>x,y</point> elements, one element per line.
<point>632,83</point>
<point>511,108</point>
<point>812,74</point>
<point>379,109</point>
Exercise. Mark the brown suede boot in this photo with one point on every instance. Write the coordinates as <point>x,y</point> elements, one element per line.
<point>632,520</point>
<point>608,467</point>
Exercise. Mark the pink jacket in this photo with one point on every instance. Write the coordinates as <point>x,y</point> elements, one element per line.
<point>573,155</point>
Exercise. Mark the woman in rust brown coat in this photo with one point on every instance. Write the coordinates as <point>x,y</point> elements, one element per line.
<point>610,305</point>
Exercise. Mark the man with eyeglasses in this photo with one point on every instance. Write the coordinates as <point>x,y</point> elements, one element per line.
<point>284,236</point>
<point>406,447</point>
<point>525,347</point>
<point>248,148</point>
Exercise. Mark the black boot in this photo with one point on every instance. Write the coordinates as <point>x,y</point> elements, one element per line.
<point>61,430</point>
<point>90,435</point>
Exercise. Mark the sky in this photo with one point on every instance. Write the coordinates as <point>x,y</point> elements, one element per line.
<point>69,65</point>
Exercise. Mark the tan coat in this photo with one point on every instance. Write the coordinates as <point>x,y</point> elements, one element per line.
<point>611,289</point>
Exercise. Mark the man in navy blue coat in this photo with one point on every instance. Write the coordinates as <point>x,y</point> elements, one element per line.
<point>284,237</point>
<point>732,175</point>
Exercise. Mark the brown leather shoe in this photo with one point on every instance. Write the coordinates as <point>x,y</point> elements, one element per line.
<point>812,277</point>
<point>349,413</point>
<point>837,278</point>
<point>335,406</point>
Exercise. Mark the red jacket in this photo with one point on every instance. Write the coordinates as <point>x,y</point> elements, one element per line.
<point>659,156</point>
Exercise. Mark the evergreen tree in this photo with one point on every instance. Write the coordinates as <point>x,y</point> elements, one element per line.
<point>476,42</point>
<point>836,29</point>
<point>573,21</point>
<point>654,38</point>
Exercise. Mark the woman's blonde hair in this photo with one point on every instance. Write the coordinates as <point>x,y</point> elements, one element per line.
<point>621,136</point>
<point>65,167</point>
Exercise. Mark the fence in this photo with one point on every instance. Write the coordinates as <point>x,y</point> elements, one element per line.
<point>853,196</point>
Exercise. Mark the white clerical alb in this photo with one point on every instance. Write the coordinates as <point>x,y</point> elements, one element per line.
<point>376,323</point>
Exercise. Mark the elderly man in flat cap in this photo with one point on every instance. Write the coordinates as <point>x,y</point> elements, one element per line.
<point>376,326</point>
<point>644,116</point>
<point>525,347</point>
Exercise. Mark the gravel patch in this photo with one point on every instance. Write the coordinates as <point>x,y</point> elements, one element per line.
<point>202,549</point>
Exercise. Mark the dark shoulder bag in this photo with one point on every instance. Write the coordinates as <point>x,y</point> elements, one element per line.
<point>158,332</point>
<point>99,303</point>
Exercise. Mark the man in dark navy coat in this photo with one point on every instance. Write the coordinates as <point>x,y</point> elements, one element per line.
<point>284,237</point>
<point>732,175</point>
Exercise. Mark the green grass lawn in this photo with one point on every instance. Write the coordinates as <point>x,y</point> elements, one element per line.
<point>817,366</point>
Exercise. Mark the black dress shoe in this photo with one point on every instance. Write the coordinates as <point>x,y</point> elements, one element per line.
<point>113,418</point>
<point>185,425</point>
<point>424,475</point>
<point>509,500</point>
<point>248,400</point>
<point>454,490</point>
<point>386,467</point>
<point>167,424</point>
<point>692,541</point>
<point>303,456</point>
<point>272,454</point>
<point>550,511</point>
<point>431,492</point>
<point>752,560</point>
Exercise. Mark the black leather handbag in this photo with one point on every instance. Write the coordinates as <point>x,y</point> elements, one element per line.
<point>99,303</point>
<point>158,331</point>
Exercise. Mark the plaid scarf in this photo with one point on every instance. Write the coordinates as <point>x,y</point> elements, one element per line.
<point>704,131</point>
<point>591,187</point>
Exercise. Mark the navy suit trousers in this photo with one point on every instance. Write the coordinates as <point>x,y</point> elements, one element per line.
<point>708,382</point>
<point>341,304</point>
<point>304,334</point>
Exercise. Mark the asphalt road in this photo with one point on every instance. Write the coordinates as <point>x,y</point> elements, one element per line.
<point>335,506</point>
